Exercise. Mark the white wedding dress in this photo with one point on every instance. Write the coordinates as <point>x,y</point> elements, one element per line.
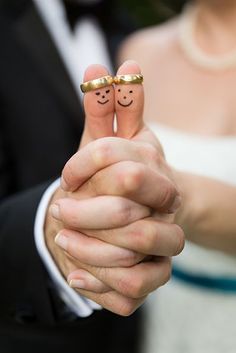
<point>196,315</point>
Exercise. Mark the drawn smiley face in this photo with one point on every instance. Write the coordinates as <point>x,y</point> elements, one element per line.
<point>125,97</point>
<point>103,96</point>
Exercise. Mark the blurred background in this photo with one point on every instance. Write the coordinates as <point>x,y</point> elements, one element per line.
<point>151,12</point>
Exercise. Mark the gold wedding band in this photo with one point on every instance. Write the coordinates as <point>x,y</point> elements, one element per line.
<point>128,79</point>
<point>109,80</point>
<point>97,83</point>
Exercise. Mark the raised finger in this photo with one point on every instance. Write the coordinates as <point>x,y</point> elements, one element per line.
<point>129,102</point>
<point>98,106</point>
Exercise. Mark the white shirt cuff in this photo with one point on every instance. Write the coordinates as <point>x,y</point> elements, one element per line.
<point>81,306</point>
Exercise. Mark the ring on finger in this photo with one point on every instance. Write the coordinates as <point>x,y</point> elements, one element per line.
<point>128,79</point>
<point>96,83</point>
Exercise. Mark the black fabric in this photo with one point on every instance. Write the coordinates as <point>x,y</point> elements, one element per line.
<point>41,122</point>
<point>75,10</point>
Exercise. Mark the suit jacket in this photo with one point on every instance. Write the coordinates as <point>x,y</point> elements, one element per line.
<point>41,122</point>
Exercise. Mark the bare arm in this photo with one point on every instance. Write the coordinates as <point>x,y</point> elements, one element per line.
<point>208,212</point>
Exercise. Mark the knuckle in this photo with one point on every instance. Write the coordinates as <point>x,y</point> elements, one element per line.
<point>123,285</point>
<point>138,237</point>
<point>168,196</point>
<point>137,287</point>
<point>127,306</point>
<point>152,154</point>
<point>100,151</point>
<point>144,237</point>
<point>133,177</point>
<point>123,212</point>
<point>131,286</point>
<point>150,240</point>
<point>180,239</point>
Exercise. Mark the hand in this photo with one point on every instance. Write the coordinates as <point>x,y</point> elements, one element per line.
<point>130,169</point>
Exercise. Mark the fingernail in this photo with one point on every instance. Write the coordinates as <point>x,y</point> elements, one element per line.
<point>55,211</point>
<point>61,240</point>
<point>77,283</point>
<point>64,185</point>
<point>176,204</point>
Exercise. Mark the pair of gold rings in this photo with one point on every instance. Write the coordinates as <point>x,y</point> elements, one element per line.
<point>109,80</point>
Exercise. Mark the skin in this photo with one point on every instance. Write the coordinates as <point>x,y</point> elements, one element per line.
<point>101,116</point>
<point>129,117</point>
<point>104,219</point>
<point>122,100</point>
<point>103,96</point>
<point>208,209</point>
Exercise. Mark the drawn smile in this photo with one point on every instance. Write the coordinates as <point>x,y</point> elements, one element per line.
<point>103,102</point>
<point>125,105</point>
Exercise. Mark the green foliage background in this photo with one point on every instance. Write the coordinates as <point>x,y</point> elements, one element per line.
<point>150,12</point>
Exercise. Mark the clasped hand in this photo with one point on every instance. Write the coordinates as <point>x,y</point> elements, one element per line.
<point>113,216</point>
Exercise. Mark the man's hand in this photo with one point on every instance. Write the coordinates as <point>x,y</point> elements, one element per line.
<point>113,217</point>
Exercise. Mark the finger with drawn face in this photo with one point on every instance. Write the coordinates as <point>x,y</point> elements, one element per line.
<point>98,106</point>
<point>129,102</point>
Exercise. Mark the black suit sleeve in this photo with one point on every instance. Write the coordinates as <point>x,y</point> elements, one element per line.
<point>37,135</point>
<point>22,271</point>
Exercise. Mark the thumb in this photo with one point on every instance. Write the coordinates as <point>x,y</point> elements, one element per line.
<point>98,106</point>
<point>129,102</point>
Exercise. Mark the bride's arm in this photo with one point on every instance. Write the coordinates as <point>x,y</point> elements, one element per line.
<point>208,212</point>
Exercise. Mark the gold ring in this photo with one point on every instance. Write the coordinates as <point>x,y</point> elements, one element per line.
<point>97,83</point>
<point>128,79</point>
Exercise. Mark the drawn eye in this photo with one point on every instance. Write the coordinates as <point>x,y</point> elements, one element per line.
<point>108,91</point>
<point>97,93</point>
<point>119,90</point>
